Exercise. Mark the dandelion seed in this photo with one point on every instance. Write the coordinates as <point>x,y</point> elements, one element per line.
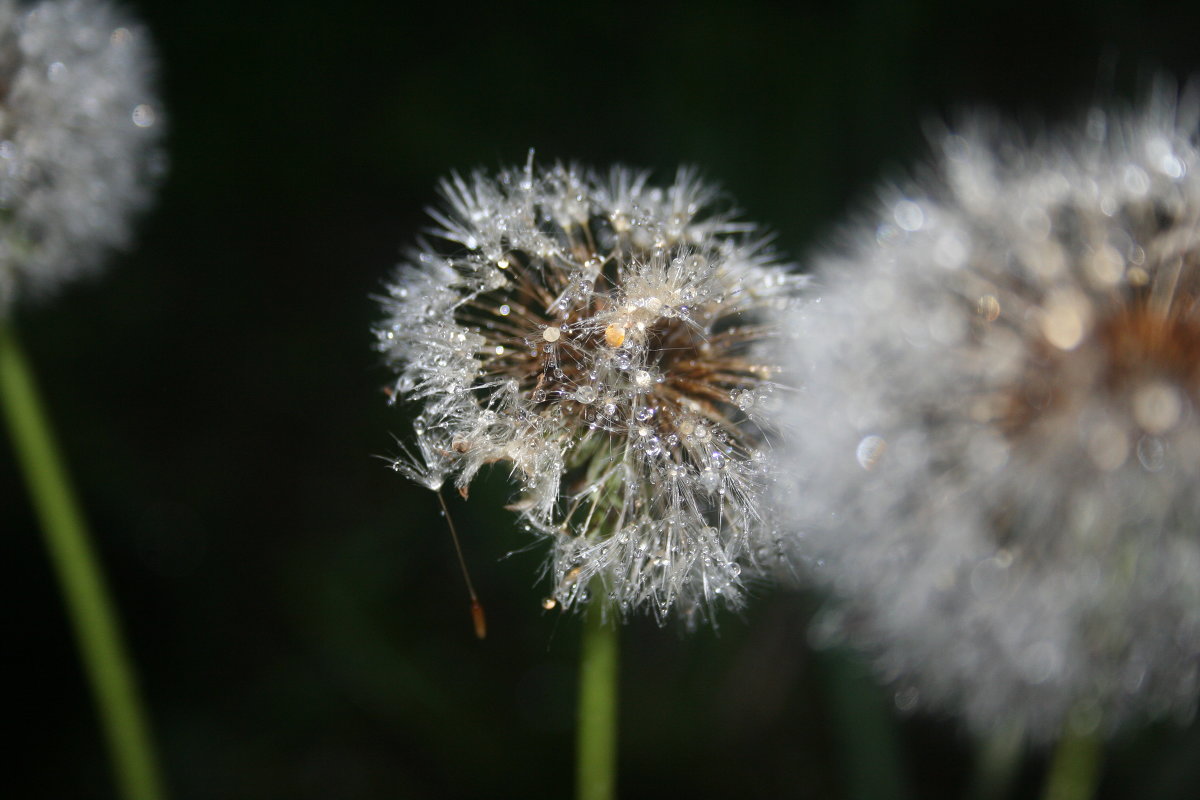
<point>570,328</point>
<point>79,133</point>
<point>1026,341</point>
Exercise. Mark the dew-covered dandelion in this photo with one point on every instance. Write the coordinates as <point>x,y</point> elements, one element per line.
<point>610,343</point>
<point>79,132</point>
<point>997,438</point>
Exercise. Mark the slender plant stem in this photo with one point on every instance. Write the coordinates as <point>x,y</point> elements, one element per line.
<point>1074,768</point>
<point>863,728</point>
<point>80,579</point>
<point>997,762</point>
<point>596,746</point>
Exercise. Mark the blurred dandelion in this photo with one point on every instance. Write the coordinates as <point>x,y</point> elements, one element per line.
<point>997,438</point>
<point>610,342</point>
<point>79,133</point>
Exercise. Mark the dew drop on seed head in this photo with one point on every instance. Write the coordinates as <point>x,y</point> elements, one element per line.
<point>870,450</point>
<point>1152,452</point>
<point>143,115</point>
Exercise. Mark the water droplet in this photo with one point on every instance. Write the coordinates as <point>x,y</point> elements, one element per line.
<point>988,307</point>
<point>1107,445</point>
<point>870,450</point>
<point>1065,319</point>
<point>1040,661</point>
<point>552,333</point>
<point>549,603</point>
<point>908,215</point>
<point>585,394</point>
<point>1157,407</point>
<point>143,115</point>
<point>906,698</point>
<point>504,310</point>
<point>539,395</point>
<point>1136,180</point>
<point>1152,452</point>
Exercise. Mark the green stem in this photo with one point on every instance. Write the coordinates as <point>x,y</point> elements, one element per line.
<point>99,639</point>
<point>596,747</point>
<point>997,762</point>
<point>863,728</point>
<point>1075,768</point>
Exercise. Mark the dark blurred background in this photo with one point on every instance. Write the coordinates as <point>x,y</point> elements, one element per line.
<point>294,607</point>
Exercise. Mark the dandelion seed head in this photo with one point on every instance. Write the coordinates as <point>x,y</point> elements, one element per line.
<point>589,332</point>
<point>997,442</point>
<point>79,133</point>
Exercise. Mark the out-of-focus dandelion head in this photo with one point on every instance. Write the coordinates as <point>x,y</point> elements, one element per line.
<point>611,343</point>
<point>79,133</point>
<point>998,432</point>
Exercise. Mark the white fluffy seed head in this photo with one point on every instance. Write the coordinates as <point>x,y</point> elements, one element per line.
<point>997,437</point>
<point>591,332</point>
<point>79,133</point>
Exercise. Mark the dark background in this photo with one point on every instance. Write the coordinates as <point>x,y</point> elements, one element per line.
<point>294,607</point>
